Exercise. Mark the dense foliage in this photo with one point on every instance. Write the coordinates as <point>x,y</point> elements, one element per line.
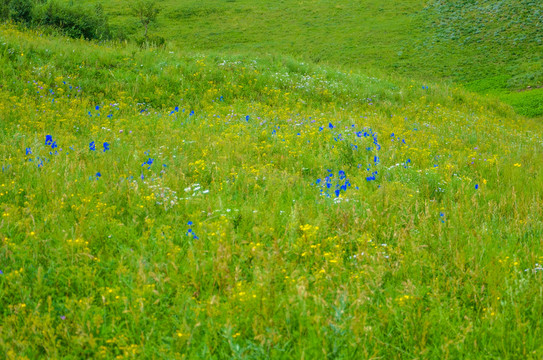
<point>76,21</point>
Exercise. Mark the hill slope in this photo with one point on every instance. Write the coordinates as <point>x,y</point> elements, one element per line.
<point>159,205</point>
<point>491,47</point>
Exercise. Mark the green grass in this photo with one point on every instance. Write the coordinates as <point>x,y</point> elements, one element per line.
<point>466,42</point>
<point>437,257</point>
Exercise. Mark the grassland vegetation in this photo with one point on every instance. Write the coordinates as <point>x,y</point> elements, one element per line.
<point>156,203</point>
<point>494,48</point>
<point>491,47</point>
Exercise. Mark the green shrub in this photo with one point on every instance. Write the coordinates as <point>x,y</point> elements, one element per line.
<point>74,20</point>
<point>4,10</point>
<point>20,10</point>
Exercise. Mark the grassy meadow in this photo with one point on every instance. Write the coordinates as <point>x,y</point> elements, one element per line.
<point>199,202</point>
<point>491,47</point>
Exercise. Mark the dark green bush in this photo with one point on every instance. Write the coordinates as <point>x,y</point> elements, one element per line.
<point>74,20</point>
<point>4,10</point>
<point>16,10</point>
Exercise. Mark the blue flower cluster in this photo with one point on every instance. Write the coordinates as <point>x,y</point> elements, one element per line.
<point>148,163</point>
<point>175,110</point>
<point>332,185</point>
<point>92,146</point>
<point>190,232</point>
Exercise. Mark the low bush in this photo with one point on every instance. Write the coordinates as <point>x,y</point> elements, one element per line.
<point>74,20</point>
<point>16,10</point>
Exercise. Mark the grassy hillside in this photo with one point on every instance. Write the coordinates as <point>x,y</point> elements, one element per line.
<point>159,205</point>
<point>491,47</point>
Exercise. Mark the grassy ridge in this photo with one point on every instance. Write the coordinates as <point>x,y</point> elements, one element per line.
<point>493,48</point>
<point>229,207</point>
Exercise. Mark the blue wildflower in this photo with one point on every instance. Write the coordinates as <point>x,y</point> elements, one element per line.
<point>92,146</point>
<point>330,125</point>
<point>106,146</point>
<point>28,151</point>
<point>247,118</point>
<point>476,186</point>
<point>148,162</point>
<point>97,108</point>
<point>98,175</point>
<point>48,139</point>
